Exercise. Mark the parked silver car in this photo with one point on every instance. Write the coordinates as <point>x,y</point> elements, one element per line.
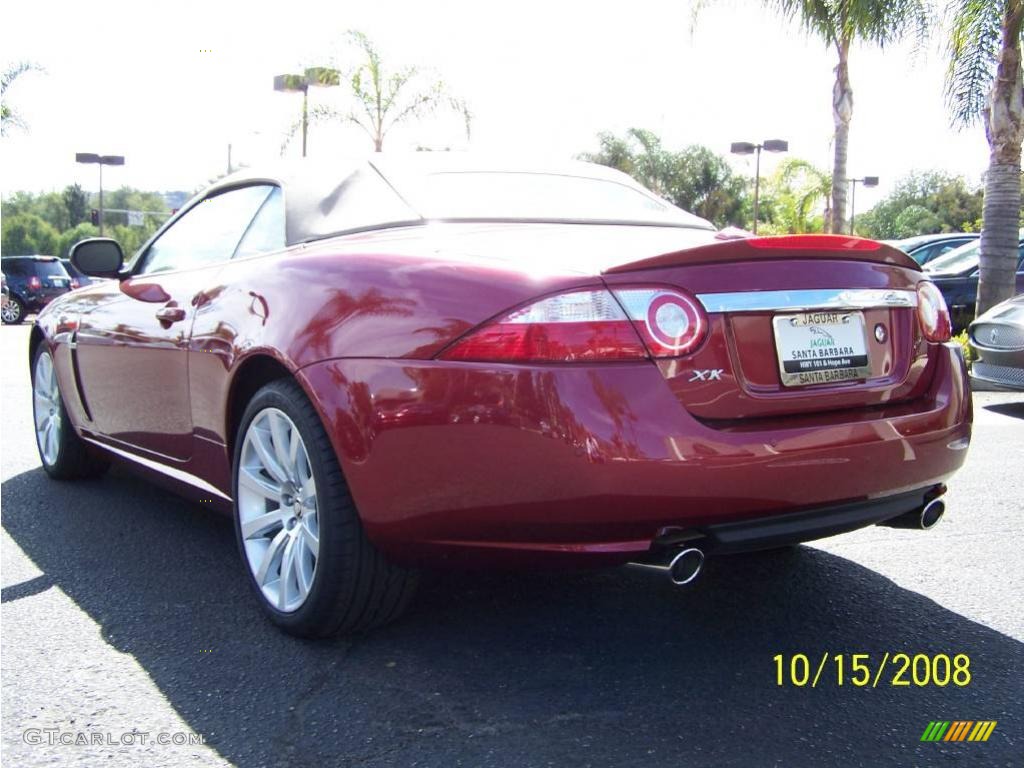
<point>997,338</point>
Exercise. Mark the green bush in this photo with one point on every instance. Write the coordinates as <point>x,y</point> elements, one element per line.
<point>965,345</point>
<point>26,234</point>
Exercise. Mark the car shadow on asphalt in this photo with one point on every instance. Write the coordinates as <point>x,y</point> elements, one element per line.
<point>1016,410</point>
<point>596,668</point>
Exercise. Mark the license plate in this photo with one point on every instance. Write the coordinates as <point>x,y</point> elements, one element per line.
<point>821,347</point>
<point>59,282</point>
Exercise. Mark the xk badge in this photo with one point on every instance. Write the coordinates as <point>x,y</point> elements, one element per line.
<point>707,374</point>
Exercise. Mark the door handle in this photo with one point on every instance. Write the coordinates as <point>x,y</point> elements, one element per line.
<point>170,314</point>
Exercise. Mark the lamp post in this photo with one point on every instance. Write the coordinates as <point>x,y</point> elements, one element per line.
<point>233,152</point>
<point>867,181</point>
<point>100,160</point>
<point>323,76</point>
<point>746,148</point>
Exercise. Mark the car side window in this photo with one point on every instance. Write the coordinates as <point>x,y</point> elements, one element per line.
<point>208,233</point>
<point>266,232</point>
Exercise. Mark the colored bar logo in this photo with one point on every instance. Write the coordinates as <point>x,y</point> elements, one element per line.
<point>959,730</point>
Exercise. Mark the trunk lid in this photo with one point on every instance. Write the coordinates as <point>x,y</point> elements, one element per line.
<point>778,311</point>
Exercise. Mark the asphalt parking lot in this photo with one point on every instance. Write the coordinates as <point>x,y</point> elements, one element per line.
<point>124,607</point>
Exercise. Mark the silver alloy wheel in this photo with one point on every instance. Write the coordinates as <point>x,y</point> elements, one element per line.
<point>10,311</point>
<point>277,509</point>
<point>46,409</point>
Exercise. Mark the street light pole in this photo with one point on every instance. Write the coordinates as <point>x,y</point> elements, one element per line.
<point>747,148</point>
<point>100,160</point>
<point>757,185</point>
<point>323,76</point>
<point>867,181</point>
<point>295,84</point>
<point>305,117</point>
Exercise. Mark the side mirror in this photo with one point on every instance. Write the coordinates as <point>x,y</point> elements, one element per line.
<point>98,257</point>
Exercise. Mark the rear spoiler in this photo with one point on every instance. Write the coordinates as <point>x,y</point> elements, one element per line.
<point>781,247</point>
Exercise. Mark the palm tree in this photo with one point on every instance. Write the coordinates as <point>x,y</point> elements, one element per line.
<point>985,81</point>
<point>9,118</point>
<point>806,185</point>
<point>841,23</point>
<point>639,153</point>
<point>383,98</point>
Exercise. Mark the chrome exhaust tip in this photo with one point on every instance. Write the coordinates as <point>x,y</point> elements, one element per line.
<point>682,569</point>
<point>923,519</point>
<point>686,566</point>
<point>932,514</point>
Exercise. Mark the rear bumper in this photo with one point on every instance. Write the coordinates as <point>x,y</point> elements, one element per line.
<point>583,465</point>
<point>810,524</point>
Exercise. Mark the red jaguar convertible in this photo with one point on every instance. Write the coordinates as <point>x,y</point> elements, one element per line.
<point>402,363</point>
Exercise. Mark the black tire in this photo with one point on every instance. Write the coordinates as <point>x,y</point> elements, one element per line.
<point>14,311</point>
<point>74,459</point>
<point>354,588</point>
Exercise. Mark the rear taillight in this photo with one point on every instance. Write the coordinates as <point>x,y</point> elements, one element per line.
<point>932,312</point>
<point>589,325</point>
<point>34,283</point>
<point>577,326</point>
<point>74,282</point>
<point>670,322</point>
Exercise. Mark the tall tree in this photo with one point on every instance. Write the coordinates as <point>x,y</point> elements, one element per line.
<point>9,118</point>
<point>793,197</point>
<point>841,23</point>
<point>383,98</point>
<point>985,82</point>
<point>705,184</point>
<point>923,203</point>
<point>640,154</point>
<point>77,203</point>
<point>695,179</point>
<point>71,236</point>
<point>27,234</point>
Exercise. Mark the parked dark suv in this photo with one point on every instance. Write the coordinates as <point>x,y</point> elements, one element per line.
<point>32,283</point>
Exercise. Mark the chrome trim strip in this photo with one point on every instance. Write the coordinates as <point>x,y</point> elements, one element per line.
<point>172,472</point>
<point>789,301</point>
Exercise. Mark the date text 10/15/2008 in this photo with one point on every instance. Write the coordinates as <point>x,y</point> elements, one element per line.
<point>865,670</point>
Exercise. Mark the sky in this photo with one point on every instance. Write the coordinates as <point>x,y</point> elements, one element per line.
<point>171,91</point>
